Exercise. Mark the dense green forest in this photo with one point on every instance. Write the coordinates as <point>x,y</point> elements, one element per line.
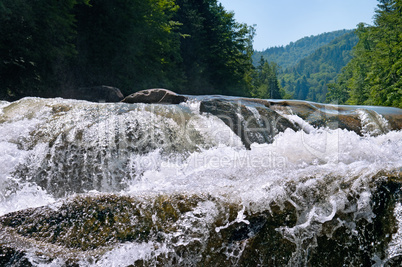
<point>265,83</point>
<point>308,79</point>
<point>48,47</point>
<point>374,75</point>
<point>288,56</point>
<point>361,67</point>
<point>305,67</point>
<point>189,46</point>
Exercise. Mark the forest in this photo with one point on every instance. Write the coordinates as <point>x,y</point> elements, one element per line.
<point>308,79</point>
<point>305,67</point>
<point>359,67</point>
<point>374,74</point>
<point>288,56</point>
<point>48,47</point>
<point>189,46</point>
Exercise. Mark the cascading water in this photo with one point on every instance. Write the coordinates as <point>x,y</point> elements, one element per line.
<point>208,182</point>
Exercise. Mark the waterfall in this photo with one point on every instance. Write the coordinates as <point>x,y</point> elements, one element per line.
<point>211,181</point>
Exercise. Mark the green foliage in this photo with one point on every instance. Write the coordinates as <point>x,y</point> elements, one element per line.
<point>127,44</point>
<point>308,79</point>
<point>288,56</point>
<point>265,80</point>
<point>36,42</point>
<point>374,75</point>
<point>193,47</point>
<point>190,46</point>
<point>216,50</point>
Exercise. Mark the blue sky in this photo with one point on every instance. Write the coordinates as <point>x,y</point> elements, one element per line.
<point>280,22</point>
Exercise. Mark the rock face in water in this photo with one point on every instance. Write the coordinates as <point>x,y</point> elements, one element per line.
<point>359,119</point>
<point>203,230</point>
<point>259,120</point>
<point>95,94</point>
<point>173,190</point>
<point>252,123</point>
<point>88,223</point>
<point>155,96</point>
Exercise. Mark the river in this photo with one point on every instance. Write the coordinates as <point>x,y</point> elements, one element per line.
<point>213,181</point>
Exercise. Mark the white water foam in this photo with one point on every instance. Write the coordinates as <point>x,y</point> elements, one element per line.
<point>18,127</point>
<point>314,161</point>
<point>260,175</point>
<point>128,253</point>
<point>395,247</point>
<point>372,123</point>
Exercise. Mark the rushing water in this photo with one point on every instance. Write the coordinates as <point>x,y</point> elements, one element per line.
<point>313,182</point>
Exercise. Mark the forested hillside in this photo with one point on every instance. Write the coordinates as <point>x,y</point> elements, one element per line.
<point>189,46</point>
<point>374,75</point>
<point>308,79</point>
<point>289,55</point>
<point>49,47</point>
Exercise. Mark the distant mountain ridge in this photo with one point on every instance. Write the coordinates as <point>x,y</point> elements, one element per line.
<point>289,55</point>
<point>307,66</point>
<point>308,79</point>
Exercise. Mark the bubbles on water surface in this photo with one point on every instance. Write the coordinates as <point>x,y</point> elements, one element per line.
<point>395,247</point>
<point>325,177</point>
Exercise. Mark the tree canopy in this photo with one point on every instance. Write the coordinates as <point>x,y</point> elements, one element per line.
<point>48,47</point>
<point>216,50</point>
<point>308,79</point>
<point>374,75</point>
<point>288,56</point>
<point>265,81</point>
<point>36,44</point>
<point>190,46</point>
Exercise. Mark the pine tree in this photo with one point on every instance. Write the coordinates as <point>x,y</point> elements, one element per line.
<point>216,50</point>
<point>266,83</point>
<point>36,46</point>
<point>374,75</point>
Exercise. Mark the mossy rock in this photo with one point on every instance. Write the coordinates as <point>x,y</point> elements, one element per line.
<point>93,225</point>
<point>87,223</point>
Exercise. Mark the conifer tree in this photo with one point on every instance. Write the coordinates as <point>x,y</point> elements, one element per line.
<point>374,75</point>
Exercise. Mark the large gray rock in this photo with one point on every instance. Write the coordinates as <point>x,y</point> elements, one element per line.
<point>155,96</point>
<point>252,123</point>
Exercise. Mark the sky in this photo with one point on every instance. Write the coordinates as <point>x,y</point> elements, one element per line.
<point>279,22</point>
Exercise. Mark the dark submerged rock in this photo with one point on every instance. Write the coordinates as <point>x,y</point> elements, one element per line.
<point>13,257</point>
<point>155,96</point>
<point>88,223</point>
<point>93,225</point>
<point>339,116</point>
<point>95,94</point>
<point>369,238</point>
<point>249,126</point>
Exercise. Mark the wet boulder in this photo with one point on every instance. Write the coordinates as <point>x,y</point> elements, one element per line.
<point>88,223</point>
<point>89,227</point>
<point>203,230</point>
<point>252,122</point>
<point>362,120</point>
<point>155,96</point>
<point>95,94</point>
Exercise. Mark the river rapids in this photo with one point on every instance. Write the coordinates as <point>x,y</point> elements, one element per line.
<point>213,181</point>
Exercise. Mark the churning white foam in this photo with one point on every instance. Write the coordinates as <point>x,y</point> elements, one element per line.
<point>395,247</point>
<point>251,174</point>
<point>297,164</point>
